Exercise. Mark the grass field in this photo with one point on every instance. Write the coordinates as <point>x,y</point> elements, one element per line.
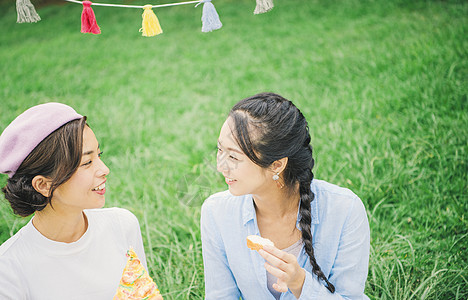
<point>382,83</point>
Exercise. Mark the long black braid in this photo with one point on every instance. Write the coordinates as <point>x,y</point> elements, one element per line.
<point>269,127</point>
<point>307,196</point>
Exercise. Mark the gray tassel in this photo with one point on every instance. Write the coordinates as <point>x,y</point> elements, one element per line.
<point>210,17</point>
<point>263,6</point>
<point>26,12</point>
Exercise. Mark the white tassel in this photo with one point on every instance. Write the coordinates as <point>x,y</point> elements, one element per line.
<point>26,12</point>
<point>263,6</point>
<point>210,17</point>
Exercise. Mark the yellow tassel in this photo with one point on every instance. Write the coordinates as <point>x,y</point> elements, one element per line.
<point>150,25</point>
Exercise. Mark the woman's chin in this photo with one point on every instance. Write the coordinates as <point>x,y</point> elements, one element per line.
<point>235,192</point>
<point>99,203</point>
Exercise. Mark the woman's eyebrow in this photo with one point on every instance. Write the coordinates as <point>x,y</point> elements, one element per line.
<point>88,152</point>
<point>230,149</point>
<point>91,151</point>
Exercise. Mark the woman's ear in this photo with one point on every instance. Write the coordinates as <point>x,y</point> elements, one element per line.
<point>42,185</point>
<point>279,165</point>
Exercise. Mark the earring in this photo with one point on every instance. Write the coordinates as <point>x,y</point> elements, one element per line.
<point>279,184</point>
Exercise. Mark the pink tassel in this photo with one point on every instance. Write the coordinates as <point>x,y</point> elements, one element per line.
<point>88,19</point>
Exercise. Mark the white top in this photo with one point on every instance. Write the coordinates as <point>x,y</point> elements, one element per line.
<point>34,267</point>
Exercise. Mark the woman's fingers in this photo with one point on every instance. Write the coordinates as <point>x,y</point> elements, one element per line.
<point>285,267</point>
<point>275,271</point>
<point>287,257</point>
<point>280,286</point>
<point>273,260</point>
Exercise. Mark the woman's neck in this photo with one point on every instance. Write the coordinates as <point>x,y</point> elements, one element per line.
<point>276,203</point>
<point>277,216</point>
<point>60,226</point>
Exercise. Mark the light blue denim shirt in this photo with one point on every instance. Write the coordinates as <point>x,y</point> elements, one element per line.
<point>341,241</point>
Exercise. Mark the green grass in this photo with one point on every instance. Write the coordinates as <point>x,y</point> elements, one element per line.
<point>382,83</point>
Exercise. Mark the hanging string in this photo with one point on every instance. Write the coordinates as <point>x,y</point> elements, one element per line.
<point>150,24</point>
<point>138,6</point>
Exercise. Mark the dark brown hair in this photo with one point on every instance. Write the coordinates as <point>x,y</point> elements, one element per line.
<point>56,157</point>
<point>269,127</point>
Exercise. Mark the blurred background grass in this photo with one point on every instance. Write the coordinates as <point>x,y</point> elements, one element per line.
<point>382,83</point>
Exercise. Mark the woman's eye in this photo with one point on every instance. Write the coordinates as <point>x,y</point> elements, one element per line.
<point>100,154</point>
<point>87,163</point>
<point>232,157</point>
<point>219,149</point>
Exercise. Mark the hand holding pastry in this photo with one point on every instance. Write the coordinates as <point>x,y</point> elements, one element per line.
<point>285,267</point>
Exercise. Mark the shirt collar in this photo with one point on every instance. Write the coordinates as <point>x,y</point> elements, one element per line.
<point>248,211</point>
<point>314,213</point>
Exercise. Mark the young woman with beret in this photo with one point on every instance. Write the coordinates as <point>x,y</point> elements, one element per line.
<point>72,248</point>
<point>320,231</point>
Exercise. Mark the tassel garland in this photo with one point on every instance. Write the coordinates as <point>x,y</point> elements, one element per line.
<point>88,19</point>
<point>263,6</point>
<point>150,24</point>
<point>210,17</point>
<point>26,12</point>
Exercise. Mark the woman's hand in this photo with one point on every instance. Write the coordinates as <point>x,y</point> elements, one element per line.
<point>285,267</point>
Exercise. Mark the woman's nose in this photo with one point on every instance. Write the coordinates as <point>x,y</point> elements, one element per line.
<point>222,165</point>
<point>103,169</point>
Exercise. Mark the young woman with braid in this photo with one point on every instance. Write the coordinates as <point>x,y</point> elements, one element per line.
<point>320,231</point>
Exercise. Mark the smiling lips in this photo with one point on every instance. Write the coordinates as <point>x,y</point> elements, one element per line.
<point>230,181</point>
<point>101,189</point>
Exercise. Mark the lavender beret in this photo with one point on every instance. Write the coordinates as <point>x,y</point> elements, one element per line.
<point>28,130</point>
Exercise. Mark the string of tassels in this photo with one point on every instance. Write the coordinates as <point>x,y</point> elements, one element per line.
<point>150,24</point>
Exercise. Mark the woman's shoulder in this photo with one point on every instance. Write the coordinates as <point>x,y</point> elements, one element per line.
<point>336,203</point>
<point>329,191</point>
<point>13,242</point>
<point>321,186</point>
<point>11,283</point>
<point>333,197</point>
